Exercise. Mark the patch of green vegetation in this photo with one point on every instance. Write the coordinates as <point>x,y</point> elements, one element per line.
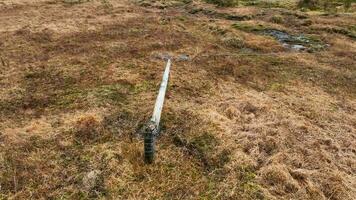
<point>353,28</point>
<point>202,147</point>
<point>326,5</point>
<point>114,94</point>
<point>71,98</point>
<point>79,97</point>
<point>204,143</point>
<point>278,87</point>
<point>249,27</point>
<point>259,3</point>
<point>263,72</point>
<point>143,87</point>
<point>43,86</point>
<point>274,73</point>
<point>267,4</point>
<point>162,4</point>
<point>217,14</point>
<point>246,186</point>
<point>224,3</point>
<point>278,19</point>
<point>236,17</point>
<point>310,4</point>
<point>21,161</point>
<point>187,1</point>
<point>53,87</point>
<point>129,65</point>
<point>307,22</point>
<point>350,32</point>
<point>247,181</point>
<point>299,15</point>
<point>106,4</point>
<point>182,18</point>
<point>47,76</point>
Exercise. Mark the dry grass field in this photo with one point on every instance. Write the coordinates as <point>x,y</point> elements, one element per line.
<point>248,116</point>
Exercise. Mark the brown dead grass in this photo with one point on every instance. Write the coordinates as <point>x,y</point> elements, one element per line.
<point>79,82</point>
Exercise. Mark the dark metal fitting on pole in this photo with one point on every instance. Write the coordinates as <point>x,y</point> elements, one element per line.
<point>151,132</point>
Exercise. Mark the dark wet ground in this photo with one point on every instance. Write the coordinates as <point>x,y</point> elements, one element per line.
<point>296,42</point>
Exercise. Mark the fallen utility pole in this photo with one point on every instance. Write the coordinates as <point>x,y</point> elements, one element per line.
<point>152,129</point>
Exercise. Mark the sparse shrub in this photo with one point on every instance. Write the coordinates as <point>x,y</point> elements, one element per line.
<point>224,3</point>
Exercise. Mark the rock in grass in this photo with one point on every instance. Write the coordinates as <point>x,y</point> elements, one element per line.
<point>183,57</point>
<point>298,47</point>
<point>162,56</point>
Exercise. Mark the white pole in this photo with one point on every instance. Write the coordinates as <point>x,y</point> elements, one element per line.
<point>156,117</point>
<point>153,127</point>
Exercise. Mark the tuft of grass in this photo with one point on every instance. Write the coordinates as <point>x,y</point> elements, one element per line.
<point>234,42</point>
<point>71,98</point>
